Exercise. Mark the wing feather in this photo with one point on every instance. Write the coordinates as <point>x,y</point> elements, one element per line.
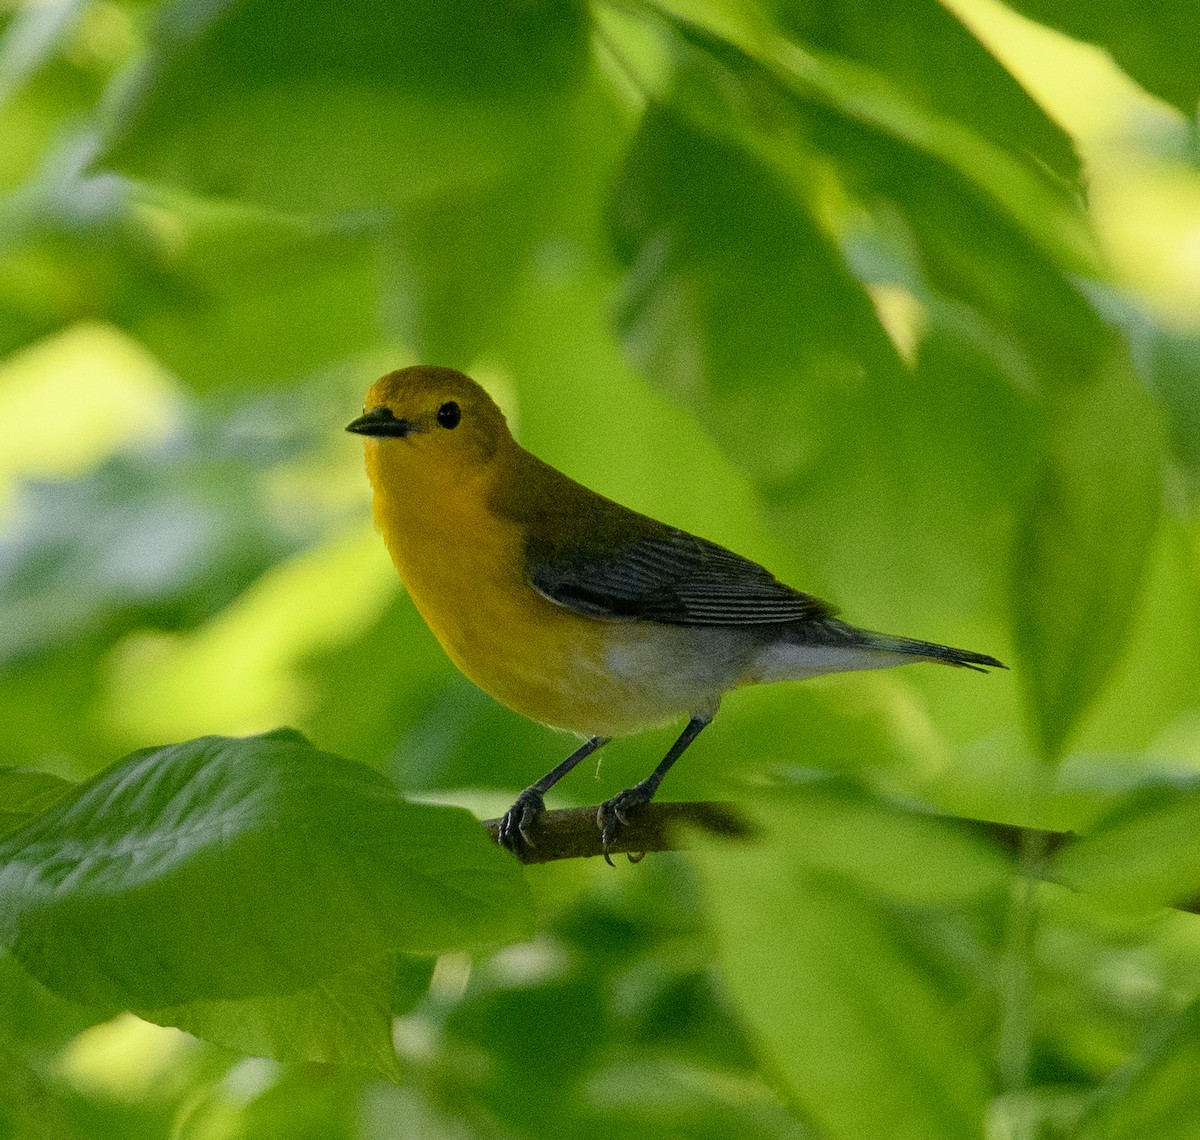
<point>674,578</point>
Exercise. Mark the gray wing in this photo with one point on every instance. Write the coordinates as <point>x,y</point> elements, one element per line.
<point>676,579</point>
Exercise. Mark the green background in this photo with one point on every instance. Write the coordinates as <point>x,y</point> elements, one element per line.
<point>899,299</point>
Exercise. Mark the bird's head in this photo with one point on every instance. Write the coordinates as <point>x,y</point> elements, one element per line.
<point>433,417</point>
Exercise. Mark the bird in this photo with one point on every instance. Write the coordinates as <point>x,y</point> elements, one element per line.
<point>572,609</point>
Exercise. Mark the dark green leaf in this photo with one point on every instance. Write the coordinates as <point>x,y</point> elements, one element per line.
<point>1083,544</point>
<point>231,868</point>
<point>731,279</point>
<point>973,250</point>
<point>924,49</point>
<point>24,793</point>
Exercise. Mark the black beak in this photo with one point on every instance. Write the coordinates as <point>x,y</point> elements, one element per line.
<point>381,422</point>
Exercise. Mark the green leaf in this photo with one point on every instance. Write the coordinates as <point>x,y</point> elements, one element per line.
<point>220,292</point>
<point>159,537</point>
<point>925,50</point>
<point>996,255</point>
<point>731,278</point>
<point>1083,544</point>
<point>1154,1093</point>
<point>231,868</point>
<point>438,123</point>
<point>240,296</point>
<point>1154,45</point>
<point>1145,854</point>
<point>838,103</point>
<point>24,793</point>
<point>344,1019</point>
<point>305,107</point>
<point>845,1010</point>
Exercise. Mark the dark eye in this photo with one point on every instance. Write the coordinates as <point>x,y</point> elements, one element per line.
<point>449,414</point>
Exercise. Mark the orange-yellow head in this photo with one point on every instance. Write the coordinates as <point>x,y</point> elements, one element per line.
<point>444,421</point>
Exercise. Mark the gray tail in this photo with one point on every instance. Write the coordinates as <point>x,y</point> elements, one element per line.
<point>931,651</point>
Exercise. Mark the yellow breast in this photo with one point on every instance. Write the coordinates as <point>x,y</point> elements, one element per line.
<point>464,569</point>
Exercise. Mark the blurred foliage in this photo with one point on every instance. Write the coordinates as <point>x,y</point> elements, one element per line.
<point>898,299</point>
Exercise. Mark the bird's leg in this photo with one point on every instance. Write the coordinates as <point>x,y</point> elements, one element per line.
<point>612,813</point>
<point>514,827</point>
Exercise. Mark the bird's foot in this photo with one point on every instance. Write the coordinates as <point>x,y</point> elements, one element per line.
<point>613,814</point>
<point>519,819</point>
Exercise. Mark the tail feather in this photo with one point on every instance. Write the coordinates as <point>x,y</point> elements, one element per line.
<point>931,651</point>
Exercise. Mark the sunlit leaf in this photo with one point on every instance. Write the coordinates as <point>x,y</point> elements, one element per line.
<point>1154,46</point>
<point>343,1019</point>
<point>929,54</point>
<point>233,868</point>
<point>844,1010</point>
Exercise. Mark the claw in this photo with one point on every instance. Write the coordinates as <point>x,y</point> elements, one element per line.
<point>515,826</point>
<point>611,817</point>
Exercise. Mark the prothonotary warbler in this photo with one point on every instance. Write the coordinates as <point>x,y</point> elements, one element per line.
<point>575,610</point>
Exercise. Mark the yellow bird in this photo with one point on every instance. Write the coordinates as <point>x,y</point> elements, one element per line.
<point>575,610</point>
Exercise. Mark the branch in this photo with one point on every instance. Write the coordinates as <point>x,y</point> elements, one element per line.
<point>572,834</point>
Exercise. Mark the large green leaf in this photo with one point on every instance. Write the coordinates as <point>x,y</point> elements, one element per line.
<point>243,868</point>
<point>976,251</point>
<point>311,107</point>
<point>737,301</point>
<point>437,122</point>
<point>776,88</point>
<point>1083,545</point>
<point>850,1014</point>
<point>924,49</point>
<point>1154,44</point>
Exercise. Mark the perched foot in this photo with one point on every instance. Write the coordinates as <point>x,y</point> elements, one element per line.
<point>514,827</point>
<point>613,814</point>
